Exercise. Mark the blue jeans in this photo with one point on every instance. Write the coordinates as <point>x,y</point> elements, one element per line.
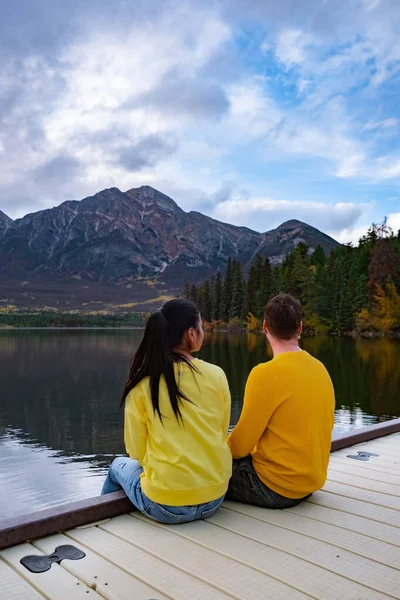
<point>125,473</point>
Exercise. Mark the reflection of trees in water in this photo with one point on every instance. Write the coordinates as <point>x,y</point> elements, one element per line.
<point>383,359</point>
<point>236,355</point>
<point>63,387</point>
<point>365,372</point>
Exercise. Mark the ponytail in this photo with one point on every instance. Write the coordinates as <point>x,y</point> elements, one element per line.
<point>155,356</point>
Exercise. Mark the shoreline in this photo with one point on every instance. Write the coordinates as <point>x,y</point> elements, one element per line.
<point>226,330</point>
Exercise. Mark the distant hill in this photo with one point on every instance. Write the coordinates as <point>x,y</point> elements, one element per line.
<point>119,238</point>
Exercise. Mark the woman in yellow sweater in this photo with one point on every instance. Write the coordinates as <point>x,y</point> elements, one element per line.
<point>177,411</point>
<point>282,441</point>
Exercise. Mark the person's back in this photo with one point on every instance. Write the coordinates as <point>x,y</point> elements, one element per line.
<point>287,418</point>
<point>185,461</point>
<point>177,412</point>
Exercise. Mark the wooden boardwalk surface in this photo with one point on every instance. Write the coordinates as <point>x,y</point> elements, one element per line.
<point>341,544</point>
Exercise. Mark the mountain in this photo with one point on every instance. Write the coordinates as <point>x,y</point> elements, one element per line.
<point>280,241</point>
<point>5,223</point>
<point>120,237</point>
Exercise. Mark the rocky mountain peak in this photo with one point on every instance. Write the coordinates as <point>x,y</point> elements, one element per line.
<point>150,197</point>
<point>291,224</point>
<point>5,222</point>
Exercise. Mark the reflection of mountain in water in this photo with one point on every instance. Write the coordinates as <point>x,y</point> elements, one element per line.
<point>62,388</point>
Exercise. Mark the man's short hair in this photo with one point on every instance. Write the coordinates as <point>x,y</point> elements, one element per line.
<point>282,315</point>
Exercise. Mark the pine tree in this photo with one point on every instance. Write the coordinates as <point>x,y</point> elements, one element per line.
<point>206,301</point>
<point>276,280</point>
<point>236,310</point>
<point>216,299</point>
<point>318,257</point>
<point>250,304</point>
<point>258,265</point>
<point>296,273</point>
<point>227,289</point>
<point>288,285</point>
<point>384,265</point>
<point>194,293</point>
<point>265,287</point>
<point>186,290</point>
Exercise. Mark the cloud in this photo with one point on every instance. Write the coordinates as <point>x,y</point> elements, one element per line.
<point>266,213</point>
<point>146,153</point>
<point>188,96</point>
<point>384,124</point>
<point>115,96</point>
<point>291,46</point>
<point>57,168</point>
<point>354,234</point>
<point>350,234</point>
<point>194,98</point>
<point>394,221</point>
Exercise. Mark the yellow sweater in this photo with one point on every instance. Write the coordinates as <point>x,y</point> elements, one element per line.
<point>286,423</point>
<point>189,464</point>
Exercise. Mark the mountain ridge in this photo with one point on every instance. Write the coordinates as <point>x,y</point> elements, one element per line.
<point>119,238</point>
<point>5,222</point>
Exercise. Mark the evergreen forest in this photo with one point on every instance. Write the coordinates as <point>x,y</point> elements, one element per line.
<point>354,289</point>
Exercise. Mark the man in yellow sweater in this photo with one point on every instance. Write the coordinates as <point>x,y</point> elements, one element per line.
<point>281,443</point>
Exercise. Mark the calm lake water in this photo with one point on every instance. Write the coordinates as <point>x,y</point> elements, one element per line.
<point>60,422</point>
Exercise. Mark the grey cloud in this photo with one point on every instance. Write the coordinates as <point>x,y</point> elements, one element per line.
<point>195,97</point>
<point>327,217</point>
<point>60,167</point>
<point>43,26</point>
<point>56,180</point>
<point>338,220</point>
<point>146,153</point>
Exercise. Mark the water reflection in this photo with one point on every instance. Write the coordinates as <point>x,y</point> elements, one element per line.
<point>59,418</point>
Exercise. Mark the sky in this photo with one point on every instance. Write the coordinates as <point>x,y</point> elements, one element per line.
<point>251,112</point>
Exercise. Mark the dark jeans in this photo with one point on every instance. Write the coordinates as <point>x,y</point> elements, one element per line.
<point>245,486</point>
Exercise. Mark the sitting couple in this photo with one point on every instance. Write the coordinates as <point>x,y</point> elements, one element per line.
<point>177,411</point>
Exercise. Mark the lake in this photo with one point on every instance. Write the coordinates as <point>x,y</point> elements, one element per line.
<point>60,421</point>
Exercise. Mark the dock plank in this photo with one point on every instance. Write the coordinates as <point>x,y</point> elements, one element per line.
<point>362,544</point>
<point>356,507</point>
<point>372,485</point>
<point>107,579</point>
<point>365,495</point>
<point>368,466</point>
<point>361,570</point>
<point>163,576</point>
<point>55,584</point>
<point>240,580</point>
<point>302,575</point>
<point>14,587</point>
<point>349,521</point>
<point>389,460</point>
<point>369,475</point>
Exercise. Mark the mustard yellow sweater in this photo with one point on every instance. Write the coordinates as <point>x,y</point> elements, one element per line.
<point>189,464</point>
<point>286,423</point>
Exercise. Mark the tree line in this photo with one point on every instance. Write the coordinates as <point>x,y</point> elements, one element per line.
<point>47,318</point>
<point>353,288</point>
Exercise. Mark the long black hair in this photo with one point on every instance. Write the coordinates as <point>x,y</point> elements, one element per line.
<point>155,356</point>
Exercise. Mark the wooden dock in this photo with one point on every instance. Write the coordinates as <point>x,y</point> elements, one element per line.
<point>341,544</point>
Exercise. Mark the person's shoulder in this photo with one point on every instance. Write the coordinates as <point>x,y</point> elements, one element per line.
<point>316,364</point>
<point>262,369</point>
<point>312,359</point>
<point>263,366</point>
<point>208,369</point>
